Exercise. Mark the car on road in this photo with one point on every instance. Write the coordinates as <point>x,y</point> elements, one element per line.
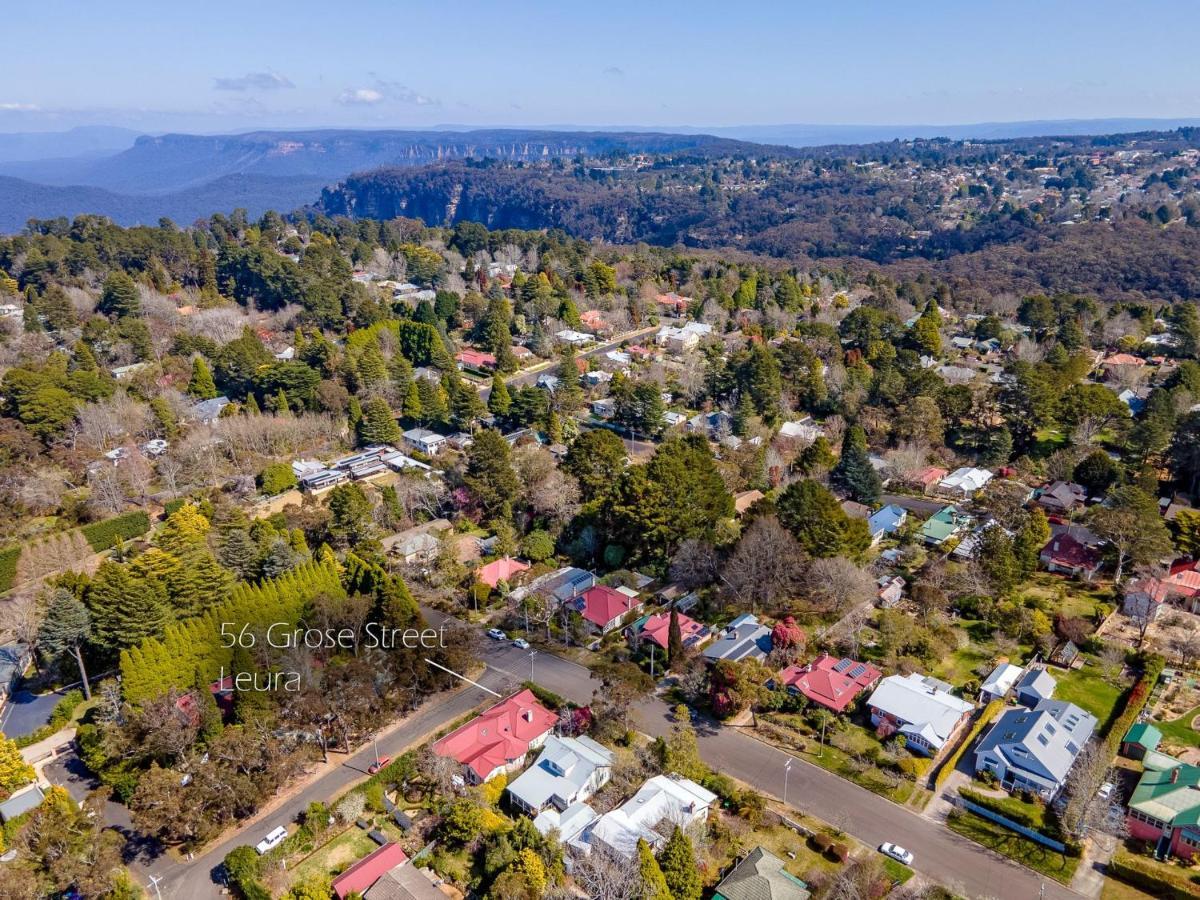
<point>521,644</point>
<point>273,839</point>
<point>496,634</point>
<point>374,767</point>
<point>896,852</point>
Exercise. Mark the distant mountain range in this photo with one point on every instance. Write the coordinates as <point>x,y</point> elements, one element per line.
<point>22,200</point>
<point>139,178</point>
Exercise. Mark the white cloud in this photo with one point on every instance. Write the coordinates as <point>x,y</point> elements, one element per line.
<point>384,91</point>
<point>360,97</point>
<point>19,107</point>
<point>254,81</point>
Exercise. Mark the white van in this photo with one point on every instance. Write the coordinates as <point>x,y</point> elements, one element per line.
<point>271,841</point>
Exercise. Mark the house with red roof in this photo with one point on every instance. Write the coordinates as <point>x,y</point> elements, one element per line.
<point>503,569</point>
<point>1145,597</point>
<point>657,630</point>
<point>359,877</point>
<point>927,479</point>
<point>593,320</point>
<point>499,739</point>
<point>672,300</point>
<point>475,359</point>
<point>1070,556</point>
<point>603,607</point>
<point>830,682</point>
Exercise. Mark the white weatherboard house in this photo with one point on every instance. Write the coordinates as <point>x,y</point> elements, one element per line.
<point>568,771</point>
<point>920,708</point>
<point>669,798</point>
<point>964,482</point>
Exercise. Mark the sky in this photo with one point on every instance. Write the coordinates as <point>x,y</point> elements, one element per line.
<point>214,65</point>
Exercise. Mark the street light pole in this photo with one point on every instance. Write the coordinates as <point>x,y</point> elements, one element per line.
<point>532,654</point>
<point>787,767</point>
<point>375,742</point>
<point>154,880</point>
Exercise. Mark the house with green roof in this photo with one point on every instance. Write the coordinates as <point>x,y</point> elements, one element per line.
<point>943,525</point>
<point>1165,810</point>
<point>1139,739</point>
<point>761,876</point>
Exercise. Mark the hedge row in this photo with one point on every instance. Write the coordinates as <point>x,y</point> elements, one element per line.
<point>1158,879</point>
<point>9,557</point>
<point>107,534</point>
<point>1135,701</point>
<point>951,763</point>
<point>195,645</point>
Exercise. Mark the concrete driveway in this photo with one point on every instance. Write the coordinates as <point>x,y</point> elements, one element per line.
<point>26,712</point>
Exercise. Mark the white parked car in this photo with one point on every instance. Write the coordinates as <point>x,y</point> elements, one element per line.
<point>496,634</point>
<point>896,852</point>
<point>271,841</point>
<point>155,447</point>
<point>1106,790</point>
<point>117,454</point>
<point>521,644</point>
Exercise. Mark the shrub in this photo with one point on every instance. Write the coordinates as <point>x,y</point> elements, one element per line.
<point>276,478</point>
<point>107,534</point>
<point>538,546</point>
<point>915,768</point>
<point>840,852</point>
<point>822,842</point>
<point>549,699</point>
<point>9,557</point>
<point>1157,879</point>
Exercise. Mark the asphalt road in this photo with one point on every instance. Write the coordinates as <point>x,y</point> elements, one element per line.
<point>26,712</point>
<point>940,854</point>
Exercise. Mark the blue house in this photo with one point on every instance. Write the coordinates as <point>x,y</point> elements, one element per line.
<point>885,521</point>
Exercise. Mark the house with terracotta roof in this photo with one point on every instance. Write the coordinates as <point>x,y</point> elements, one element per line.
<point>1122,359</point>
<point>475,359</point>
<point>603,607</point>
<point>500,738</point>
<point>503,569</point>
<point>830,682</point>
<point>1145,598</point>
<point>673,301</point>
<point>657,629</point>
<point>359,877</point>
<point>1066,554</point>
<point>927,479</point>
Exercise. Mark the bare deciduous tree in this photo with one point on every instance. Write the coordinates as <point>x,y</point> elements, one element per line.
<point>761,571</point>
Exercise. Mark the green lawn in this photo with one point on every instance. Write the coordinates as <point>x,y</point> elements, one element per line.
<point>1085,688</point>
<point>1028,853</point>
<point>897,871</point>
<point>1180,731</point>
<point>336,855</point>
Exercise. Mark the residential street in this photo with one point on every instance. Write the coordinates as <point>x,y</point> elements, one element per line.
<point>940,853</point>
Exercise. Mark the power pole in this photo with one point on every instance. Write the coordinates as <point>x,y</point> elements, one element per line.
<point>154,880</point>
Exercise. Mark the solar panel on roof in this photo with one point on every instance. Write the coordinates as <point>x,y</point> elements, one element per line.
<point>856,671</point>
<point>842,665</point>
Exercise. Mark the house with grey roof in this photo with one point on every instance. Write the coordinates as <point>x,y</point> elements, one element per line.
<point>21,802</point>
<point>568,771</point>
<point>761,876</point>
<point>1034,749</point>
<point>743,638</point>
<point>1035,686</point>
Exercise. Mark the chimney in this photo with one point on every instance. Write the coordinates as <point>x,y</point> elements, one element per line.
<point>1175,775</point>
<point>527,715</point>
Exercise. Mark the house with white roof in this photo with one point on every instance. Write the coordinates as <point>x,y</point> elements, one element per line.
<point>964,482</point>
<point>578,338</point>
<point>685,337</point>
<point>568,771</point>
<point>1001,680</point>
<point>805,429</point>
<point>425,441</point>
<point>664,798</point>
<point>919,707</point>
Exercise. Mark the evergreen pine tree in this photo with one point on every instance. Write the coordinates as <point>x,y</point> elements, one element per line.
<point>654,884</point>
<point>251,407</point>
<point>125,610</point>
<point>378,425</point>
<point>201,386</point>
<point>854,472</point>
<point>354,414</point>
<point>164,418</point>
<point>499,401</point>
<point>674,639</point>
<point>281,403</point>
<point>678,864</point>
<point>65,630</point>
